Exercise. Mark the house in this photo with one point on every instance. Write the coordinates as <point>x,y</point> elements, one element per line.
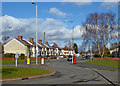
<point>115,52</point>
<point>58,49</point>
<point>18,45</point>
<point>67,51</point>
<point>50,51</point>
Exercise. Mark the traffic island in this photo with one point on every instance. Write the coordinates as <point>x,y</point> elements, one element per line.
<point>21,73</point>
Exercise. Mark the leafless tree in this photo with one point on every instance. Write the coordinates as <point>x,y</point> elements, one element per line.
<point>5,39</point>
<point>101,30</point>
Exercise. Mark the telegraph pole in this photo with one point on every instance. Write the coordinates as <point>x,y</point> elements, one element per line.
<point>43,59</point>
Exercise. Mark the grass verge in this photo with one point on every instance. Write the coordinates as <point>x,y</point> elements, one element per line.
<point>19,72</point>
<point>111,63</point>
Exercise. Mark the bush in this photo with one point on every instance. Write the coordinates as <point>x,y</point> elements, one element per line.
<point>10,55</point>
<point>107,55</point>
<point>97,55</point>
<point>22,56</point>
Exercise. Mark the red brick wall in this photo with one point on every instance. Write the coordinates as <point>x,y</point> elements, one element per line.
<point>106,58</point>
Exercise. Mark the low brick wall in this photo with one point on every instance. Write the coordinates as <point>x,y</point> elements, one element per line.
<point>106,58</point>
<point>31,58</point>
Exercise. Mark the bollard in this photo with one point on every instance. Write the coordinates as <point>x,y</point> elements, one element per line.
<point>42,61</point>
<point>74,60</point>
<point>28,60</point>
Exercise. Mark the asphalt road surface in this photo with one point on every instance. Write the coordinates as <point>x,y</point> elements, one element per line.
<point>67,73</point>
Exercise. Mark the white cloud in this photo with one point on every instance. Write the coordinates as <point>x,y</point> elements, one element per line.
<point>55,30</point>
<point>57,12</point>
<point>108,4</point>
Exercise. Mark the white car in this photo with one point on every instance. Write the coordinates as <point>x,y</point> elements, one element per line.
<point>60,56</point>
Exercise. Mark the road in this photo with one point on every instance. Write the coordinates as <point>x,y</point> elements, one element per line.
<point>67,73</point>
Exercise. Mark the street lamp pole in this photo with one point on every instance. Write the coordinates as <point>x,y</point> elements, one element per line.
<point>36,33</point>
<point>72,36</point>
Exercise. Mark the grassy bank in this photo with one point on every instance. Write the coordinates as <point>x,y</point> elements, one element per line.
<point>17,72</point>
<point>111,63</point>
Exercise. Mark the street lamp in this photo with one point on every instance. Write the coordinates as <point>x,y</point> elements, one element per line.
<point>36,31</point>
<point>72,36</point>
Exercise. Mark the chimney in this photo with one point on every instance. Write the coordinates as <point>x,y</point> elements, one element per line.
<point>40,41</point>
<point>65,47</point>
<point>20,37</point>
<point>31,39</point>
<point>54,44</point>
<point>46,42</point>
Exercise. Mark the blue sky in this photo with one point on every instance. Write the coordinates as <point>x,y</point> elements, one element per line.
<point>51,15</point>
<point>75,12</point>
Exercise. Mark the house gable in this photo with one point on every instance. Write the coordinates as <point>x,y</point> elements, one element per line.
<point>14,40</point>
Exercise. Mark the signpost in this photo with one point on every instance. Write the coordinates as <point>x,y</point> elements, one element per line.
<point>16,56</point>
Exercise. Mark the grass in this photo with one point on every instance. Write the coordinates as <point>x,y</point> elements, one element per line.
<point>111,63</point>
<point>18,72</point>
<point>12,61</point>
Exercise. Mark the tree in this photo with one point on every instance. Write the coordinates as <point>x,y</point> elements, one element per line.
<point>75,47</point>
<point>101,29</point>
<point>5,39</point>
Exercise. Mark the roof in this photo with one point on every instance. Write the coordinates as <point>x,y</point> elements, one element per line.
<point>114,48</point>
<point>57,47</point>
<point>48,46</point>
<point>24,42</point>
<point>66,48</point>
<point>41,44</point>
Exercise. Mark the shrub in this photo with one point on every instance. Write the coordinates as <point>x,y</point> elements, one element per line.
<point>22,56</point>
<point>10,55</point>
<point>97,55</point>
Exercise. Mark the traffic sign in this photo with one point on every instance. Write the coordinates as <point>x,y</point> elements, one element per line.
<point>16,56</point>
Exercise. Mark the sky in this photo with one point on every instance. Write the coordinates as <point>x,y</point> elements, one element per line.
<point>18,18</point>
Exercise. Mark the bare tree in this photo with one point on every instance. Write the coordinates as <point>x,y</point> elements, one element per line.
<point>5,39</point>
<point>101,28</point>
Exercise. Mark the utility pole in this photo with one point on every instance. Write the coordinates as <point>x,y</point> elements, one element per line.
<point>43,59</point>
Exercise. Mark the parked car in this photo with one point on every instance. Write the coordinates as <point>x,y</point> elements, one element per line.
<point>61,56</point>
<point>69,58</point>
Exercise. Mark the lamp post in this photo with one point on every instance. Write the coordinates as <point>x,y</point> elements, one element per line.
<point>36,32</point>
<point>72,36</point>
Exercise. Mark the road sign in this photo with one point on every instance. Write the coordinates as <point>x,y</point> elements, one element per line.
<point>16,56</point>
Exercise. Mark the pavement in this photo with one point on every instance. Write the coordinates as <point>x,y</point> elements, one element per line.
<point>69,74</point>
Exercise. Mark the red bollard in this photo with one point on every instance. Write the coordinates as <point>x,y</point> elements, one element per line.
<point>74,60</point>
